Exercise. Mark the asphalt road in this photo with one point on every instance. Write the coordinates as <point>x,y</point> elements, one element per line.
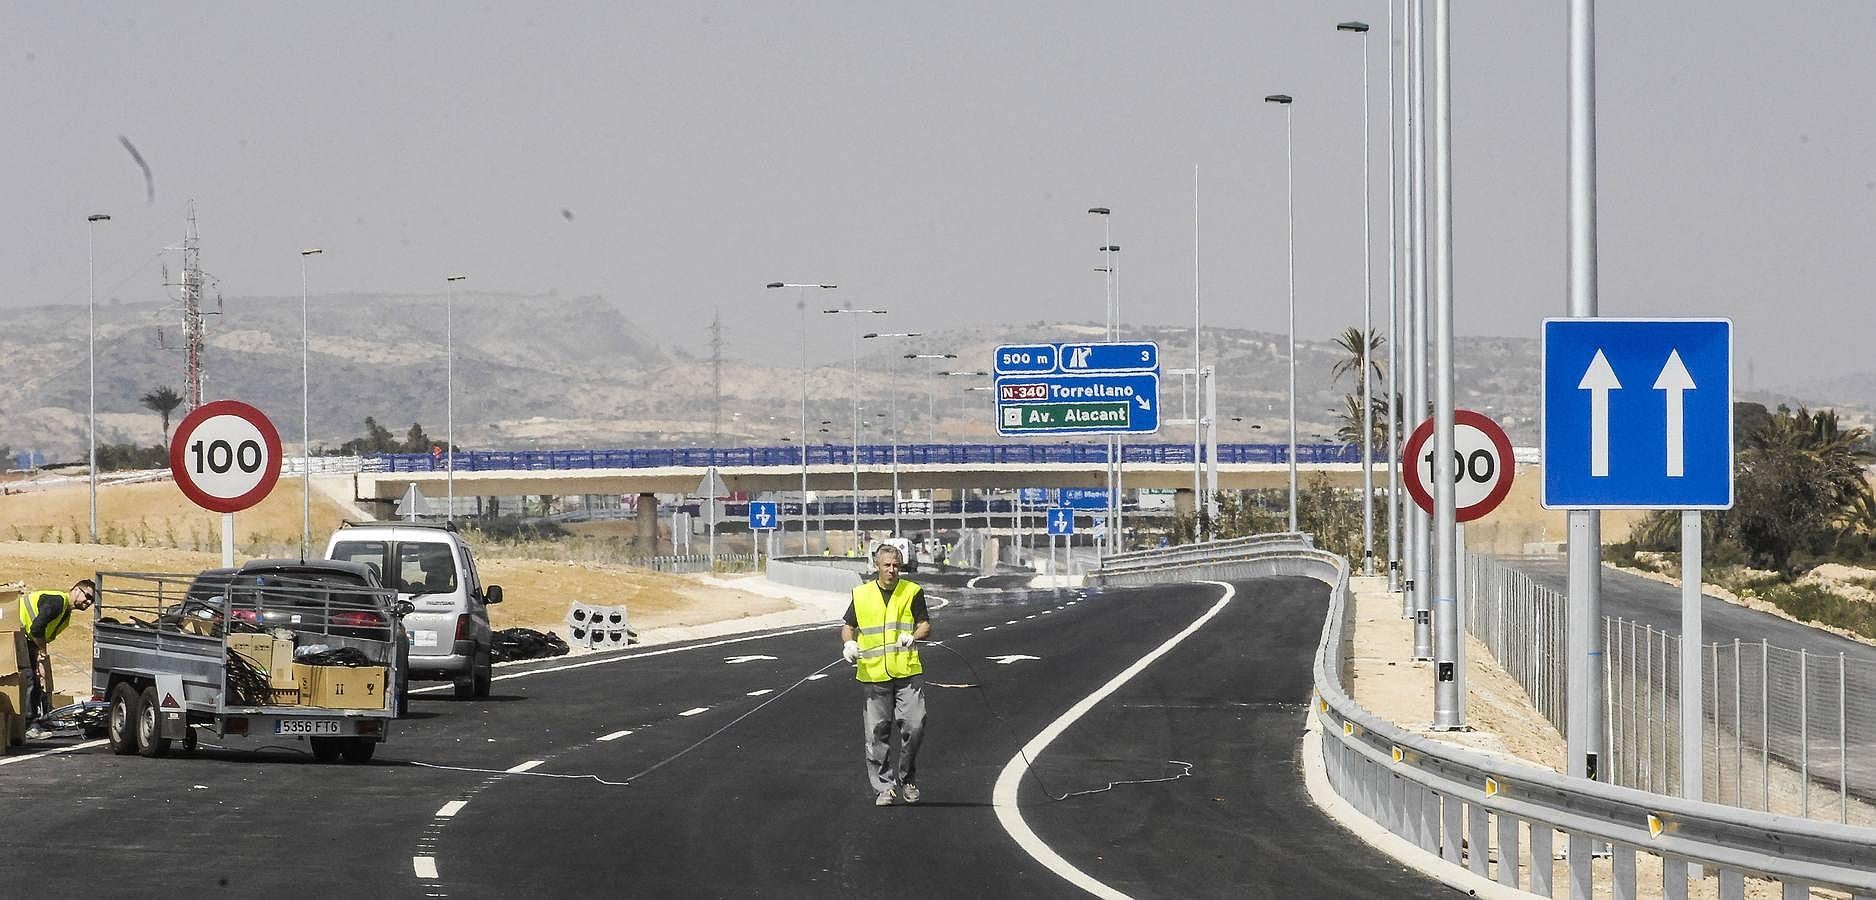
<point>720,768</point>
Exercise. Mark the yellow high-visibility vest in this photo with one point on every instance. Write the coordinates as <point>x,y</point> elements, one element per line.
<point>29,611</point>
<point>881,620</point>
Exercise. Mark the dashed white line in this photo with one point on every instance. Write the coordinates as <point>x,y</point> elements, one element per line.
<point>615,735</point>
<point>525,766</point>
<point>1010,622</point>
<point>760,692</point>
<point>817,676</point>
<point>425,866</point>
<point>964,634</point>
<point>990,627</point>
<point>695,711</point>
<point>1029,617</point>
<point>451,808</point>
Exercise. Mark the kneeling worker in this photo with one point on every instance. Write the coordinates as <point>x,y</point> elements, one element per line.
<point>886,616</point>
<point>43,616</point>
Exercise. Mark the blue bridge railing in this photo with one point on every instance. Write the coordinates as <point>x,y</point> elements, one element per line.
<point>843,454</point>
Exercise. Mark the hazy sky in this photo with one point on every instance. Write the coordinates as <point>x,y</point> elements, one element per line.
<point>938,159</point>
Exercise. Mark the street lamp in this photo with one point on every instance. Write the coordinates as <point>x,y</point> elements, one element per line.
<point>91,354</point>
<point>1367,313</point>
<point>856,405</point>
<point>801,303</point>
<point>449,389</point>
<point>931,425</point>
<point>893,423</point>
<point>306,432</point>
<point>1112,310</point>
<point>1289,178</point>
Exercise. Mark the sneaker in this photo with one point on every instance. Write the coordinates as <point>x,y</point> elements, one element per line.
<point>35,733</point>
<point>884,798</point>
<point>910,793</point>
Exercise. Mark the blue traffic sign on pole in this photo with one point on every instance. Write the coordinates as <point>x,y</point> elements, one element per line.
<point>1084,498</point>
<point>764,515</point>
<point>1130,357</point>
<point>1036,496</point>
<point>1061,520</point>
<point>1116,403</point>
<point>1638,413</point>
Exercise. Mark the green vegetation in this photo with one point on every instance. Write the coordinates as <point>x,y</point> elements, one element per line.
<point>1331,514</point>
<point>162,401</point>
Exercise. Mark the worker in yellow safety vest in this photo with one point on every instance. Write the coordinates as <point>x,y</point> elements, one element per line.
<point>44,615</point>
<point>882,623</point>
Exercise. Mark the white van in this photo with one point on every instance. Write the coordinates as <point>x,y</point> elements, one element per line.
<point>907,558</point>
<point>430,566</point>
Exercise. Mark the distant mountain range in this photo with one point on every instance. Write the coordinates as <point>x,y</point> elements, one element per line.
<point>579,373</point>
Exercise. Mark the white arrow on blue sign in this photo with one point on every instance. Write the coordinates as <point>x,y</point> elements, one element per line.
<point>1638,413</point>
<point>764,515</point>
<point>1061,520</point>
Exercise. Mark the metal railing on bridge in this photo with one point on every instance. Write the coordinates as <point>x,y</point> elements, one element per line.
<point>842,454</point>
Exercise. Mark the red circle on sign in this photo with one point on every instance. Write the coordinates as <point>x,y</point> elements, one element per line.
<point>1410,470</point>
<point>269,467</point>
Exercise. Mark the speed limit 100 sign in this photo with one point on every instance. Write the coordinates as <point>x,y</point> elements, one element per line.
<point>225,456</point>
<point>1482,465</point>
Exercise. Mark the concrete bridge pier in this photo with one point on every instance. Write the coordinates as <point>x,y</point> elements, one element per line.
<point>647,536</point>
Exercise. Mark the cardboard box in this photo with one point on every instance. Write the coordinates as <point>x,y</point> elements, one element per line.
<point>10,700</point>
<point>6,729</point>
<point>265,651</point>
<point>284,697</point>
<point>340,687</point>
<point>13,655</point>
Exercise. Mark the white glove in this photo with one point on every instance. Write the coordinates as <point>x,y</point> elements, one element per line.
<point>905,640</point>
<point>850,651</point>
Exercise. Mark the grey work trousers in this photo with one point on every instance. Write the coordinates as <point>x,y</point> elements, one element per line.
<point>893,706</point>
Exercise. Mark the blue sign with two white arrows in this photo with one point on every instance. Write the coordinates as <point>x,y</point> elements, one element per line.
<point>764,516</point>
<point>1061,520</point>
<point>1638,413</point>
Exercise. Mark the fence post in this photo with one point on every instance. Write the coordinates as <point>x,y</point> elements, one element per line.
<point>1843,749</point>
<point>1739,729</point>
<point>1804,733</point>
<point>1765,728</point>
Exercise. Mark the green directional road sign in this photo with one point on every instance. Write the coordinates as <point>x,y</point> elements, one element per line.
<point>1056,416</point>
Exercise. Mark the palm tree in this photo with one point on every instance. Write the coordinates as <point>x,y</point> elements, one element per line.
<point>163,401</point>
<point>1351,344</point>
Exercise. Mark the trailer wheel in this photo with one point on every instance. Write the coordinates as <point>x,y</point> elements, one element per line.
<point>327,749</point>
<point>358,750</point>
<point>189,740</point>
<point>149,730</point>
<point>122,727</point>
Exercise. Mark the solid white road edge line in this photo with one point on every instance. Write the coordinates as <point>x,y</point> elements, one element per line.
<point>1316,781</point>
<point>648,653</point>
<point>1003,797</point>
<point>451,808</point>
<point>425,867</point>
<point>525,766</point>
<point>9,760</point>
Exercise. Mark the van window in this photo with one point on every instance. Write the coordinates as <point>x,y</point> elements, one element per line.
<point>371,553</point>
<point>426,568</point>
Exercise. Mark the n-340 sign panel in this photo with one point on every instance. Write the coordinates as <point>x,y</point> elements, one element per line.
<point>1104,403</point>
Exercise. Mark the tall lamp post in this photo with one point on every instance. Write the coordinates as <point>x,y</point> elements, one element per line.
<point>1367,320</point>
<point>449,389</point>
<point>801,303</point>
<point>931,426</point>
<point>1289,180</point>
<point>306,431</point>
<point>91,354</point>
<point>848,310</point>
<point>892,422</point>
<point>1111,310</point>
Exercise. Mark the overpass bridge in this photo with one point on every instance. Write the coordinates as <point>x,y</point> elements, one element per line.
<point>921,469</point>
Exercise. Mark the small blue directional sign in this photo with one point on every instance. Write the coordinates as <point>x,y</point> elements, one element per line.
<point>1084,498</point>
<point>1035,496</point>
<point>1017,359</point>
<point>1133,357</point>
<point>764,516</point>
<point>1061,520</point>
<point>1638,413</point>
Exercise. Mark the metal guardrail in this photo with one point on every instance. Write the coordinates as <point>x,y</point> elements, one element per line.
<point>1471,810</point>
<point>844,454</point>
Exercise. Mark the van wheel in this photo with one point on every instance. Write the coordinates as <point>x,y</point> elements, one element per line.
<point>464,688</point>
<point>122,728</point>
<point>485,675</point>
<point>150,743</point>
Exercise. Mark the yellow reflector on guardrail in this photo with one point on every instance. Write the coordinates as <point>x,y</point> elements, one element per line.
<point>1655,825</point>
<point>1348,728</point>
<point>1491,787</point>
<point>1398,755</point>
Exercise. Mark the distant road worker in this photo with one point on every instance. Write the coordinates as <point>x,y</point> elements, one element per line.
<point>44,615</point>
<point>882,623</point>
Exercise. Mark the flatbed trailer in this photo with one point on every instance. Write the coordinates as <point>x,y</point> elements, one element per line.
<point>161,657</point>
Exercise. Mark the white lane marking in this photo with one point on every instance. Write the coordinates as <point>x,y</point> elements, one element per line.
<point>1029,617</point>
<point>990,627</point>
<point>817,676</point>
<point>451,808</point>
<point>739,660</point>
<point>973,582</point>
<point>425,866</point>
<point>695,711</point>
<point>1014,657</point>
<point>525,766</point>
<point>1010,622</point>
<point>760,692</point>
<point>1047,612</point>
<point>964,634</point>
<point>9,760</point>
<point>613,659</point>
<point>938,603</point>
<point>1003,796</point>
<point>616,735</point>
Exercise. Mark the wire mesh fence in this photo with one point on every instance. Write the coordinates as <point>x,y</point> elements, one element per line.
<point>1788,731</point>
